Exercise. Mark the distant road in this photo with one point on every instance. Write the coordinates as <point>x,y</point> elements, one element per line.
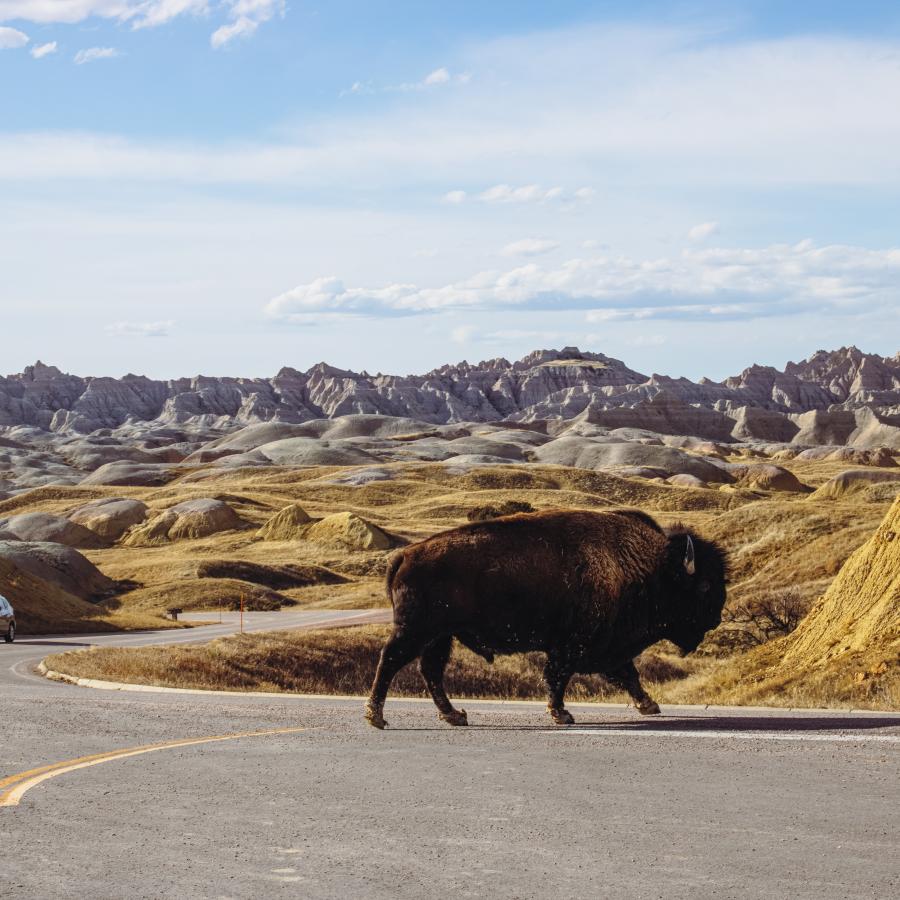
<point>245,796</point>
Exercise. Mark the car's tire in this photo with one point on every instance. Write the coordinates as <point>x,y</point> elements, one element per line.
<point>11,633</point>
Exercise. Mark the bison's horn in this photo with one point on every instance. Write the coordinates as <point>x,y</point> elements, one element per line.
<point>689,564</point>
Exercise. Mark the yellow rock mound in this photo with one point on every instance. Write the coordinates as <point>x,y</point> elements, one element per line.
<point>191,519</point>
<point>287,524</point>
<point>350,531</point>
<point>853,481</point>
<point>860,611</point>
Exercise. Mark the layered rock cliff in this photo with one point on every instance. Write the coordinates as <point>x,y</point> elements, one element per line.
<point>839,397</point>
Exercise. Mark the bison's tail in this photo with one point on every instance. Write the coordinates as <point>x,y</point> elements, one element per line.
<point>393,566</point>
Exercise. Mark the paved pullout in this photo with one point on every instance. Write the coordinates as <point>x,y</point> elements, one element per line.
<point>697,803</point>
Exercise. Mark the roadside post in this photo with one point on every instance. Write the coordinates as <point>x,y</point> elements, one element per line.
<point>242,613</point>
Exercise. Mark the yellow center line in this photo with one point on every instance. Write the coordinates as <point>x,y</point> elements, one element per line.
<point>18,785</point>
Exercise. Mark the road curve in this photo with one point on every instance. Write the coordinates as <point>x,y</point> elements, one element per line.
<point>243,796</point>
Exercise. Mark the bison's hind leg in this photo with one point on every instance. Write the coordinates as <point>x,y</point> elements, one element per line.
<point>557,674</point>
<point>431,665</point>
<point>401,648</point>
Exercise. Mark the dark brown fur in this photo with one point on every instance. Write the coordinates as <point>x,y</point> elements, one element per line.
<point>591,590</point>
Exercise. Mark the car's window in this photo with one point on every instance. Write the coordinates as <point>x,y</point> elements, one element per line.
<point>5,608</point>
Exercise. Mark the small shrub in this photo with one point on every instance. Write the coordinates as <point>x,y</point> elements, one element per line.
<point>762,619</point>
<point>507,508</point>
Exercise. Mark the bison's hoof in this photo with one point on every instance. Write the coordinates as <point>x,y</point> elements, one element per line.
<point>562,717</point>
<point>457,717</point>
<point>375,718</point>
<point>648,707</point>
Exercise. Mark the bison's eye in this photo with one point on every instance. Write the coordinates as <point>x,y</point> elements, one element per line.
<point>703,587</point>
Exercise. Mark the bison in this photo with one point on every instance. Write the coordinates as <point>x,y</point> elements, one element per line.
<point>591,590</point>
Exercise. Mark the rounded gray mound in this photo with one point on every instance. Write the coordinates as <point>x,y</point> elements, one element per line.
<point>56,529</point>
<point>60,565</point>
<point>110,518</point>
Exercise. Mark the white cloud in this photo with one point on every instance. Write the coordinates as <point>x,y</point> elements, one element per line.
<point>68,11</point>
<point>358,88</point>
<point>12,39</point>
<point>159,12</point>
<point>529,247</point>
<point>455,197</point>
<point>140,13</point>
<point>94,53</point>
<point>244,16</point>
<point>528,193</point>
<point>434,79</point>
<point>533,193</point>
<point>438,76</point>
<point>139,329</point>
<point>785,113</point>
<point>42,50</point>
<point>702,231</point>
<point>242,27</point>
<point>715,283</point>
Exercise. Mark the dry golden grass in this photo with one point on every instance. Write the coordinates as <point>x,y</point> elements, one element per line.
<point>780,543</point>
<point>329,661</point>
<point>343,660</point>
<point>860,681</point>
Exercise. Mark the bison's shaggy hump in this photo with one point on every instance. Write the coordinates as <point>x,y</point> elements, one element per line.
<point>640,516</point>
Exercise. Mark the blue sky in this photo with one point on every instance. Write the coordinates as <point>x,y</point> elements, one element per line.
<point>231,187</point>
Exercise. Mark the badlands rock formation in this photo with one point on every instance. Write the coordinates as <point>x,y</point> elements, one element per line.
<point>286,525</point>
<point>349,531</point>
<point>43,527</point>
<point>110,518</point>
<point>52,563</point>
<point>860,611</point>
<point>559,407</point>
<point>545,384</point>
<point>190,519</point>
<point>855,481</point>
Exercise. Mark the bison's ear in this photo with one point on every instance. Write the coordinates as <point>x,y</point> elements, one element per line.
<point>690,565</point>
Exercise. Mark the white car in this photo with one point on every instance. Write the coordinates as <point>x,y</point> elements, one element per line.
<point>7,620</point>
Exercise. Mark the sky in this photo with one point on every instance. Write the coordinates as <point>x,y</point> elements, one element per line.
<point>226,188</point>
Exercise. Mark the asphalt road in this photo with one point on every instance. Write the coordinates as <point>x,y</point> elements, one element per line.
<point>696,803</point>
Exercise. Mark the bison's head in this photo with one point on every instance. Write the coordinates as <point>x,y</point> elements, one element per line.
<point>697,575</point>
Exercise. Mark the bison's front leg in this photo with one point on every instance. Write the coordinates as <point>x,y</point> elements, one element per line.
<point>431,665</point>
<point>627,677</point>
<point>556,677</point>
